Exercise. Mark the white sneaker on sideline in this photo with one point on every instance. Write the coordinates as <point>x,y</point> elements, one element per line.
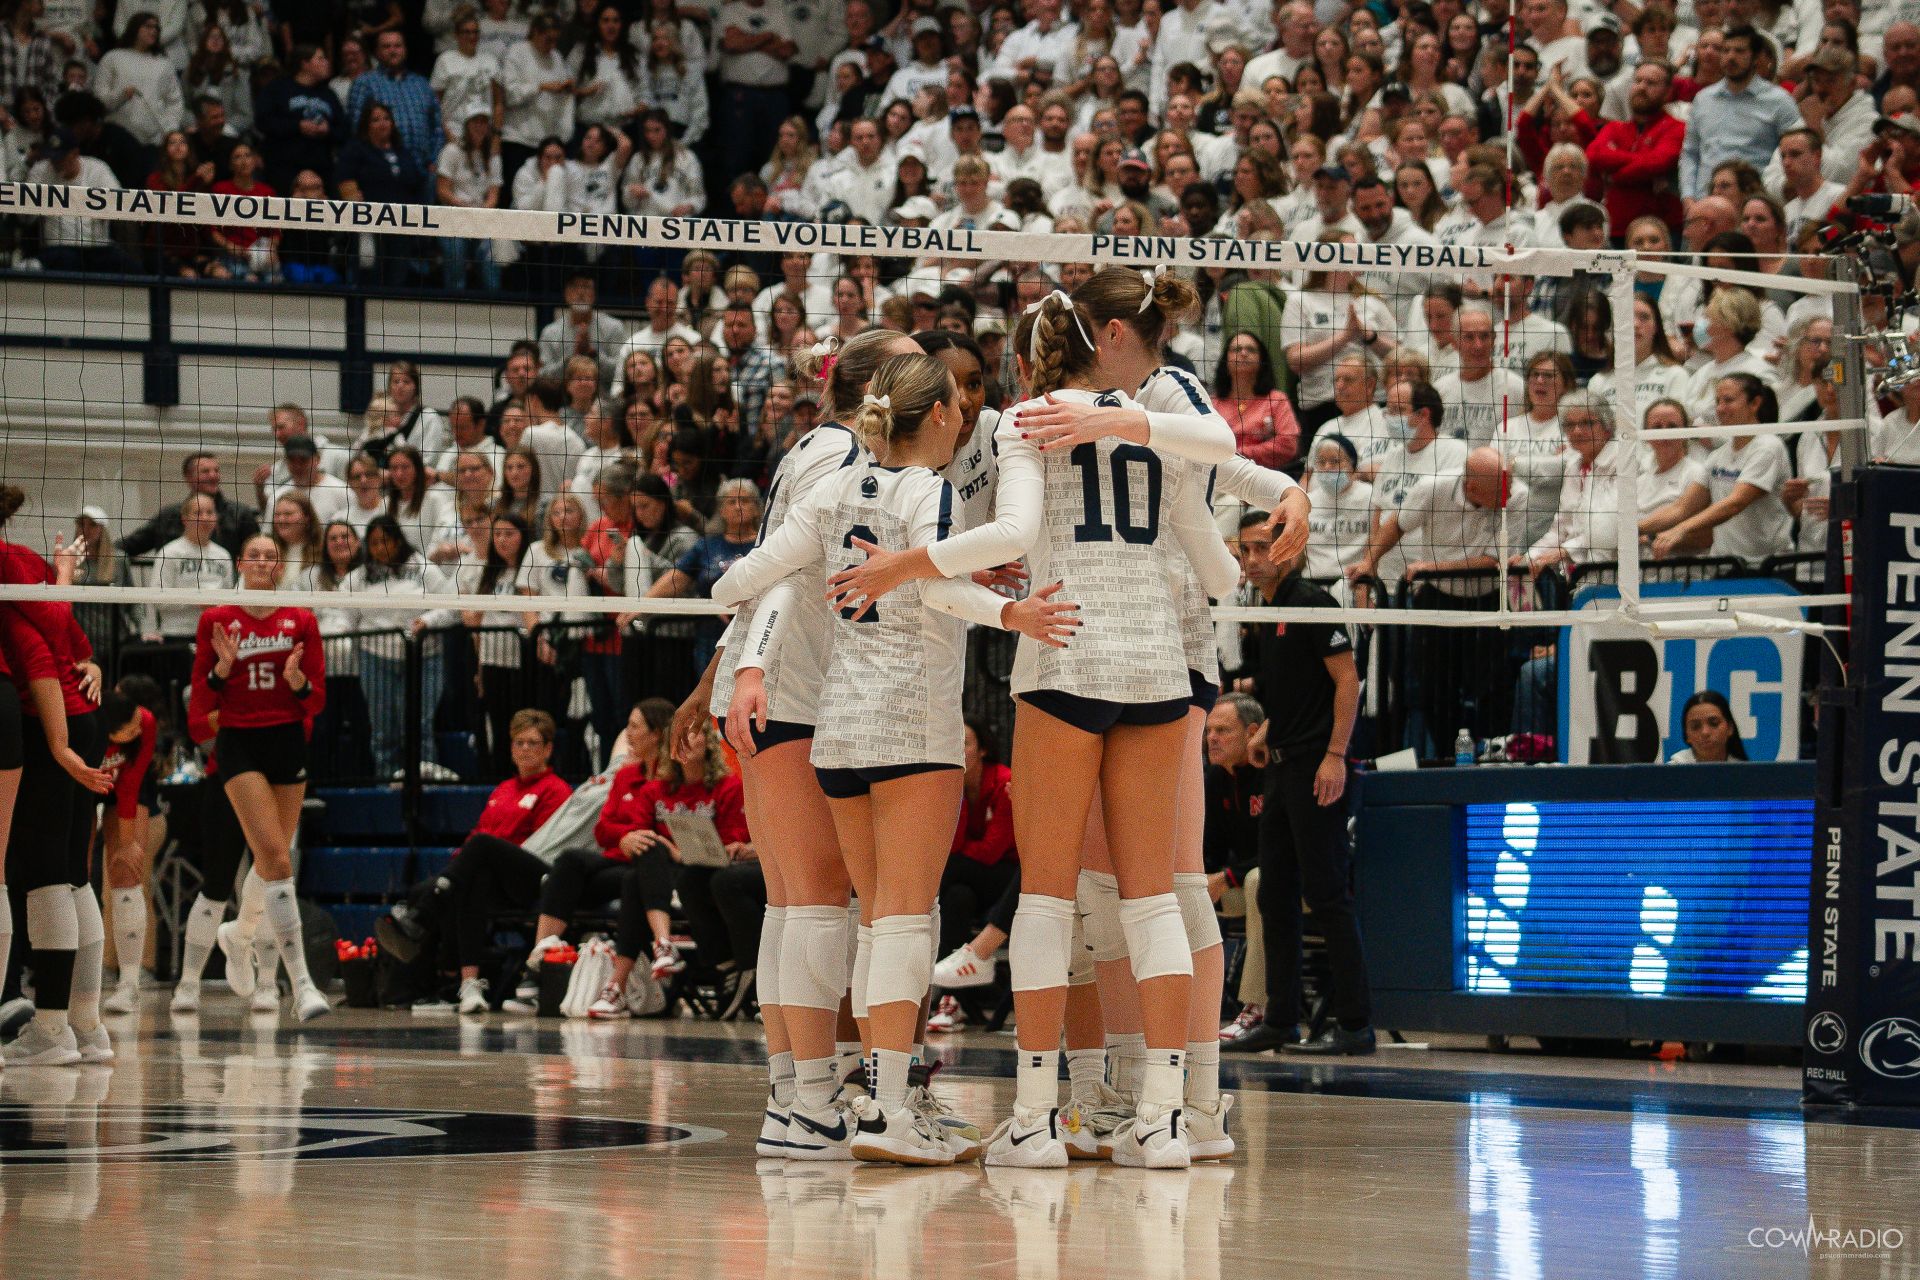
<point>309,1002</point>
<point>37,1047</point>
<point>961,968</point>
<point>666,960</point>
<point>826,1134</point>
<point>95,1046</point>
<point>1029,1140</point>
<point>186,998</point>
<point>1207,1136</point>
<point>1157,1139</point>
<point>612,1003</point>
<point>897,1136</point>
<point>124,998</point>
<point>772,1144</point>
<point>473,996</point>
<point>241,975</point>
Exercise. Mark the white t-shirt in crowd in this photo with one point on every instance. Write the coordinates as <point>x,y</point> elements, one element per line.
<point>1475,410</point>
<point>1764,528</point>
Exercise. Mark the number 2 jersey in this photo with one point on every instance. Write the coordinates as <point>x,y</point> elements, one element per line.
<point>795,668</point>
<point>255,694</point>
<point>1112,521</point>
<point>892,690</point>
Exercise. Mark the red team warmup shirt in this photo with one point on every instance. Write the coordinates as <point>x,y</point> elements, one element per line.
<point>519,806</point>
<point>635,804</point>
<point>126,763</point>
<point>255,695</point>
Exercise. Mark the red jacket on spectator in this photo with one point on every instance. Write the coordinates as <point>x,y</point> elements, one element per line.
<point>1264,428</point>
<point>1640,169</point>
<point>519,806</point>
<point>1535,138</point>
<point>985,833</point>
<point>635,804</point>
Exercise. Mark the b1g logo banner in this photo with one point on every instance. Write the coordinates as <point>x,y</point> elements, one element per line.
<point>1863,979</point>
<point>1621,690</point>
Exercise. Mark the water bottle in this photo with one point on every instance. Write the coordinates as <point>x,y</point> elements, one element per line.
<point>1463,750</point>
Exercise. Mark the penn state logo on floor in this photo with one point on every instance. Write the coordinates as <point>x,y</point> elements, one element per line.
<point>66,1133</point>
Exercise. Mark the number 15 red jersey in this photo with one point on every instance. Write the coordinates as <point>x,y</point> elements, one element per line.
<point>255,694</point>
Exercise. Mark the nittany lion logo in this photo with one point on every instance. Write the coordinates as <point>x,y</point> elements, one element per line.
<point>1826,1033</point>
<point>63,1133</point>
<point>1891,1047</point>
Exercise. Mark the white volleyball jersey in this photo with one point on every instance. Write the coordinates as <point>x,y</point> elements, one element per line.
<point>1175,391</point>
<point>1107,519</point>
<point>787,634</point>
<point>891,694</point>
<point>971,472</point>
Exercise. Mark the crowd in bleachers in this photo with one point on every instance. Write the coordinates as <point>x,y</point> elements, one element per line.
<point>629,442</point>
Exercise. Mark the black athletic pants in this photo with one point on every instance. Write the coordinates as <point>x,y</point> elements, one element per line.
<point>582,879</point>
<point>1304,855</point>
<point>725,907</point>
<point>489,875</point>
<point>969,889</point>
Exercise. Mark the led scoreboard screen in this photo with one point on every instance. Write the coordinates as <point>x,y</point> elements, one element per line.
<point>1691,899</point>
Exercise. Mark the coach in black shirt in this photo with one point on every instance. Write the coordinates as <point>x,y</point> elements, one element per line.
<point>1305,677</point>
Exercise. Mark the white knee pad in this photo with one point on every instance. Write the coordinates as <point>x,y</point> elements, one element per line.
<point>933,943</point>
<point>1155,937</point>
<point>1100,910</point>
<point>1080,970</point>
<point>52,923</point>
<point>766,967</point>
<point>86,910</point>
<point>813,957</point>
<point>853,930</point>
<point>1196,910</point>
<point>901,960</point>
<point>862,967</point>
<point>1041,944</point>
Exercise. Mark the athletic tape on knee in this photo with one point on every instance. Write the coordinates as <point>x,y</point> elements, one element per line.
<point>1156,939</point>
<point>52,924</point>
<point>766,967</point>
<point>862,967</point>
<point>86,910</point>
<point>813,957</point>
<point>1196,910</point>
<point>1080,970</point>
<point>1100,912</point>
<point>901,962</point>
<point>1041,943</point>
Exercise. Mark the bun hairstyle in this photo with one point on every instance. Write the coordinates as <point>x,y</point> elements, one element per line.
<point>1145,301</point>
<point>901,394</point>
<point>12,498</point>
<point>1055,338</point>
<point>845,368</point>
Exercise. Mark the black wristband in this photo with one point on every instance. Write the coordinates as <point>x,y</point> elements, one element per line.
<point>216,681</point>
<point>302,692</point>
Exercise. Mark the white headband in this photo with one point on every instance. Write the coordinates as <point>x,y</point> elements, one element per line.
<point>1033,339</point>
<point>878,402</point>
<point>1151,278</point>
<point>825,347</point>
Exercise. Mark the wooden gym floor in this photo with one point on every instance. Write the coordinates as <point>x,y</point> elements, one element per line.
<point>383,1144</point>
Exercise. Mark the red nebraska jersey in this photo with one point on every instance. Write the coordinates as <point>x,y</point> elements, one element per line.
<point>127,763</point>
<point>255,695</point>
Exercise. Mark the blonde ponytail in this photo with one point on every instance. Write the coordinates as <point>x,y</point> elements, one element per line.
<point>1147,302</point>
<point>900,395</point>
<point>1055,340</point>
<point>845,369</point>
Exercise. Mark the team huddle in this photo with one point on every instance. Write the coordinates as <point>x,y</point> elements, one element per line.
<point>910,512</point>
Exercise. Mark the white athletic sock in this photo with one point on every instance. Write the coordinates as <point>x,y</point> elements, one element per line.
<point>1203,1072</point>
<point>83,1007</point>
<point>253,903</point>
<point>815,1081</point>
<point>266,959</point>
<point>846,1056</point>
<point>780,1076</point>
<point>283,917</point>
<point>203,922</point>
<point>890,1077</point>
<point>129,933</point>
<point>1163,1077</point>
<point>1086,1068</point>
<point>1037,1080</point>
<point>1124,1051</point>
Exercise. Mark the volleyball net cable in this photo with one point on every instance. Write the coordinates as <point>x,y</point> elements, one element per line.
<point>83,428</point>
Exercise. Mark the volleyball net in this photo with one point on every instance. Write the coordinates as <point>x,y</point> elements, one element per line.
<point>331,362</point>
